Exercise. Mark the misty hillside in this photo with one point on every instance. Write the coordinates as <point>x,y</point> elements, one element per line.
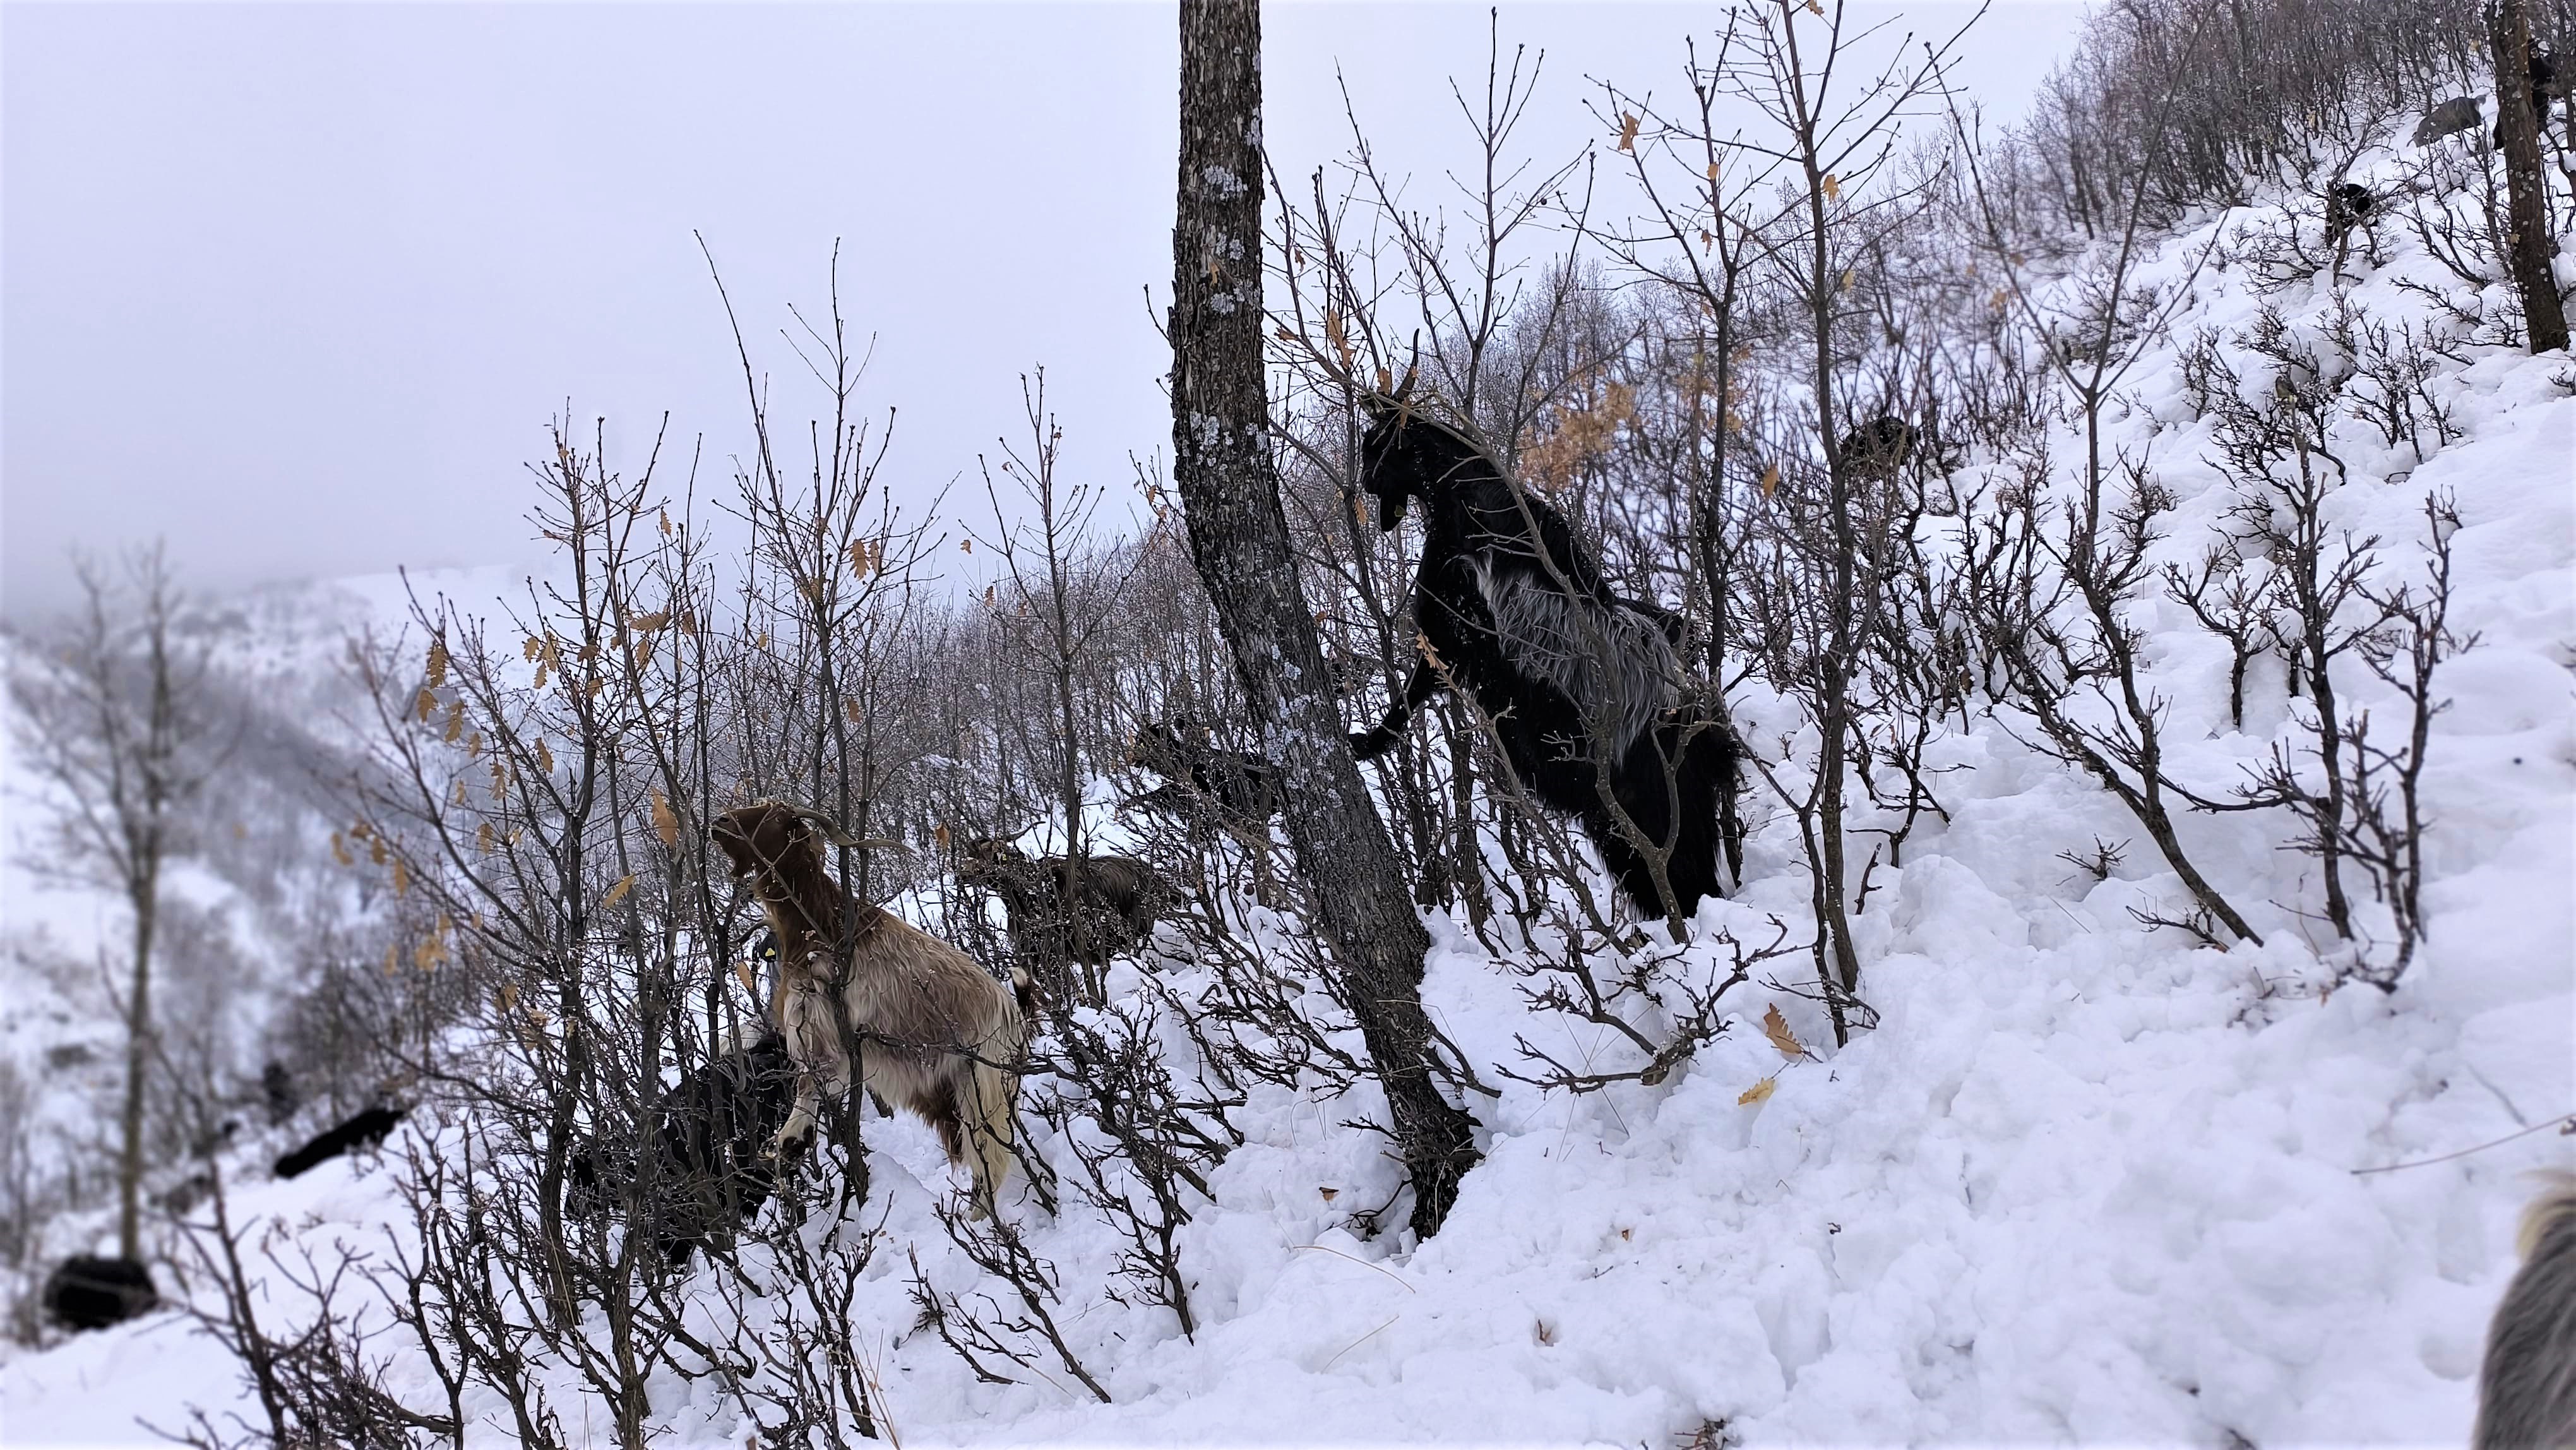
<point>2204,1036</point>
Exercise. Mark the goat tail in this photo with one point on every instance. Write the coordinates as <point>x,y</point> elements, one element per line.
<point>2527,1390</point>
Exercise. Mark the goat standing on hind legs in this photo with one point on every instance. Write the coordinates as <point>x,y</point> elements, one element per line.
<point>1582,687</point>
<point>933,1032</point>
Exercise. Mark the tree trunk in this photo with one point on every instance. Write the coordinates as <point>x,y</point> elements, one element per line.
<point>2526,197</point>
<point>1229,487</point>
<point>138,1061</point>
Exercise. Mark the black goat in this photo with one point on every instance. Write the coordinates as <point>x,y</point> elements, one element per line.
<point>1575,679</point>
<point>1211,790</point>
<point>2527,1388</point>
<point>2348,204</point>
<point>1879,448</point>
<point>367,1128</point>
<point>1116,899</point>
<point>278,1091</point>
<point>94,1293</point>
<point>1242,786</point>
<point>708,1150</point>
<point>2459,113</point>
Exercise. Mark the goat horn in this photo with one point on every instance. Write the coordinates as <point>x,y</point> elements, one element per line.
<point>833,833</point>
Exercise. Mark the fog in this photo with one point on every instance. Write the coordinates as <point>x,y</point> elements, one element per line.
<point>301,288</point>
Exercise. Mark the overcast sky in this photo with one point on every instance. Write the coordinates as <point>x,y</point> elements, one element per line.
<point>300,287</point>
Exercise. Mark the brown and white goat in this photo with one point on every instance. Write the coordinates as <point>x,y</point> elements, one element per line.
<point>935,1033</point>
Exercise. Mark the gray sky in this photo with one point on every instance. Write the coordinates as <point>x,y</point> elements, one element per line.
<point>299,287</point>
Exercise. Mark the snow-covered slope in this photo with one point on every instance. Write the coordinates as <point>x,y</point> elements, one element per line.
<point>2083,1182</point>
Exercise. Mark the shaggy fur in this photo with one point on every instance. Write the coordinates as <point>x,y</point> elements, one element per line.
<point>1575,678</point>
<point>2527,1391</point>
<point>934,1034</point>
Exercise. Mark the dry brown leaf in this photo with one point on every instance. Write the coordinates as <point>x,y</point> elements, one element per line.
<point>483,838</point>
<point>1776,1027</point>
<point>1771,480</point>
<point>1759,1092</point>
<point>402,876</point>
<point>1833,187</point>
<point>665,824</point>
<point>1627,132</point>
<point>750,984</point>
<point>437,661</point>
<point>340,850</point>
<point>455,723</point>
<point>617,893</point>
<point>545,756</point>
<point>428,706</point>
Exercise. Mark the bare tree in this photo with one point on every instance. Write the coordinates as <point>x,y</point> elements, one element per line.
<point>1229,485</point>
<point>117,720</point>
<point>2526,186</point>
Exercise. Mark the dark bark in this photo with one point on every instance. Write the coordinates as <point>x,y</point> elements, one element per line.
<point>2526,196</point>
<point>1229,488</point>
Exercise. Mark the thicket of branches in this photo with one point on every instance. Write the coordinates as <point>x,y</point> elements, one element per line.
<point>1802,386</point>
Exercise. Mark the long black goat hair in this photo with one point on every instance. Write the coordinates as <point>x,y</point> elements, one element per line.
<point>1573,677</point>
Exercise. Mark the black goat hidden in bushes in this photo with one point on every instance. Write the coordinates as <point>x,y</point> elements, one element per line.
<point>84,1292</point>
<point>1879,448</point>
<point>1117,900</point>
<point>1239,786</point>
<point>1577,681</point>
<point>706,1167</point>
<point>362,1131</point>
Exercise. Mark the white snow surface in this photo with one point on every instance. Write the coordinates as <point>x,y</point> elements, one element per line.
<point>2083,1182</point>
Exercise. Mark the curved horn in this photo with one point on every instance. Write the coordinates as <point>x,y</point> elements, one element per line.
<point>832,831</point>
